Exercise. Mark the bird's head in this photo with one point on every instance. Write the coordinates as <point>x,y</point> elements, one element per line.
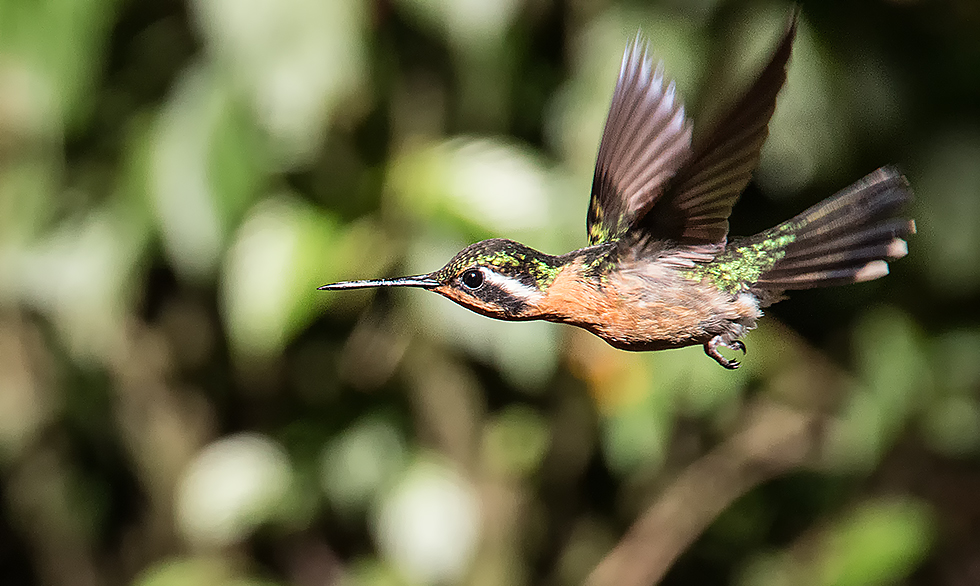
<point>498,278</point>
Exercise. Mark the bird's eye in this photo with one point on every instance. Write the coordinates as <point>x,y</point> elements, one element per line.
<point>472,279</point>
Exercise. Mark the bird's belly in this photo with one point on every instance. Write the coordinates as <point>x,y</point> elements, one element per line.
<point>655,327</point>
<point>671,317</point>
<point>648,310</point>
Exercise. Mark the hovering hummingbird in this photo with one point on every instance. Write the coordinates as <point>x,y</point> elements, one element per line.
<point>660,271</point>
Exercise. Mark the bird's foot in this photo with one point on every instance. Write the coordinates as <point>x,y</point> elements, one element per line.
<point>711,349</point>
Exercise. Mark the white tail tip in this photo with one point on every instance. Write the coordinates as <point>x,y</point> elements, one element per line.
<point>871,271</point>
<point>897,249</point>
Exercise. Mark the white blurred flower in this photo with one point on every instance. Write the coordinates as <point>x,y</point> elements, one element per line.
<point>232,486</point>
<point>428,526</point>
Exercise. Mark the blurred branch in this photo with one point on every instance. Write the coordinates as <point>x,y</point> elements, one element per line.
<point>773,440</point>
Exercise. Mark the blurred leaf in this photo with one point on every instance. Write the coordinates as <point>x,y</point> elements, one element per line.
<point>860,437</point>
<point>236,162</point>
<point>890,354</point>
<point>895,385</point>
<point>372,572</point>
<point>295,59</point>
<point>515,442</point>
<point>636,439</point>
<point>951,422</point>
<point>60,45</point>
<point>28,191</point>
<point>198,571</point>
<point>881,543</point>
<point>955,359</point>
<point>637,430</point>
<point>491,186</point>
<point>81,273</point>
<point>360,463</point>
<point>952,426</point>
<point>204,171</point>
<point>185,572</point>
<point>282,252</point>
<point>80,277</point>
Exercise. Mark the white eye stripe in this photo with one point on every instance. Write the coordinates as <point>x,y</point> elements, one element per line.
<point>509,284</point>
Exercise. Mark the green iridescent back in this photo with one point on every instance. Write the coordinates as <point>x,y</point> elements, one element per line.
<point>743,262</point>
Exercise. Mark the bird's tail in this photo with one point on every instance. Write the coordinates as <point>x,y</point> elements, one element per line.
<point>847,238</point>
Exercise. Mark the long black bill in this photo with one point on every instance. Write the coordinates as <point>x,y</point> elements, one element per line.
<point>423,281</point>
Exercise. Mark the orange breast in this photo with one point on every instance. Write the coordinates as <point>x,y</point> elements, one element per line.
<point>635,312</point>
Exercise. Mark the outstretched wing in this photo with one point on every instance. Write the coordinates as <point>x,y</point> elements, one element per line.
<point>645,141</point>
<point>699,199</point>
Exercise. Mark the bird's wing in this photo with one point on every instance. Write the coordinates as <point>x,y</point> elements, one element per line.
<point>645,141</point>
<point>695,208</point>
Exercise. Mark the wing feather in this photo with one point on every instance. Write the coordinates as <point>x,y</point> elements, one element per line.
<point>645,141</point>
<point>695,208</point>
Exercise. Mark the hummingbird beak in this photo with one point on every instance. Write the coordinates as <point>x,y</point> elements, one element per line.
<point>423,281</point>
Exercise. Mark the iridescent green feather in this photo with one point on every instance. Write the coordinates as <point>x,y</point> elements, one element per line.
<point>599,229</point>
<point>741,265</point>
<point>507,258</point>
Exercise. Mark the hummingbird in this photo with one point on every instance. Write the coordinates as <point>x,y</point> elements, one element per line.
<point>660,270</point>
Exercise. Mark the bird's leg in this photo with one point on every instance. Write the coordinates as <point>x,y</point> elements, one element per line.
<point>711,349</point>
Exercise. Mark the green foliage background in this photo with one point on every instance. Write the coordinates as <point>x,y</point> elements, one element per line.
<point>179,405</point>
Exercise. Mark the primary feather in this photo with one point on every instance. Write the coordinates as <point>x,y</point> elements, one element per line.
<point>697,203</point>
<point>645,141</point>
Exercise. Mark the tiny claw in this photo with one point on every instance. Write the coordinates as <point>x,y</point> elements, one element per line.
<point>711,349</point>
